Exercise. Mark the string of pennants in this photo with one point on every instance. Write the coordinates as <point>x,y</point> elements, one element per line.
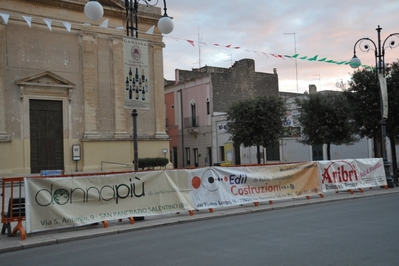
<point>104,24</point>
<point>295,56</point>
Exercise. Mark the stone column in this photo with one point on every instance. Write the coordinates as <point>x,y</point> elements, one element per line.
<point>90,84</point>
<point>3,134</point>
<point>119,88</point>
<point>159,93</point>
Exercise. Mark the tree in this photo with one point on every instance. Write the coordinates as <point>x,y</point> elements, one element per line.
<point>393,113</point>
<point>325,119</point>
<point>364,95</point>
<point>255,122</point>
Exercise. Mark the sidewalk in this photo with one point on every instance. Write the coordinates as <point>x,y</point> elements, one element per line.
<point>8,244</point>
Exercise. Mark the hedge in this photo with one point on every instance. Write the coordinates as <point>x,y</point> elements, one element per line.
<point>146,163</point>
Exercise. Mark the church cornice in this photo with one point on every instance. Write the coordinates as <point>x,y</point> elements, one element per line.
<point>111,7</point>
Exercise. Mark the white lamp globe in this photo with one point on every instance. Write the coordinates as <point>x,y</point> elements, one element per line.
<point>94,10</point>
<point>165,25</point>
<point>354,62</point>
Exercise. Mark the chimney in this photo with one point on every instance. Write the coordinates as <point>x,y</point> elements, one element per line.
<point>312,88</point>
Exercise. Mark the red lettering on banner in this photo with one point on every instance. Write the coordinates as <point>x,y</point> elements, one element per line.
<point>340,175</point>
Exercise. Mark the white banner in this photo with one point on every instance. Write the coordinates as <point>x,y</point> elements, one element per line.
<point>65,202</point>
<point>223,186</point>
<point>384,94</point>
<point>348,174</point>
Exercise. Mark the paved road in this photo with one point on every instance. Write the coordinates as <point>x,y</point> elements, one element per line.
<point>362,231</point>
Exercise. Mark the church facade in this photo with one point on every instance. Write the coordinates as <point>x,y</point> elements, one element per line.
<point>64,99</point>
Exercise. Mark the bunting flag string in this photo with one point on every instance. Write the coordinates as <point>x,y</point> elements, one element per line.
<point>281,56</point>
<point>5,17</point>
<point>48,22</point>
<point>104,24</point>
<point>28,20</point>
<point>67,25</point>
<point>151,30</point>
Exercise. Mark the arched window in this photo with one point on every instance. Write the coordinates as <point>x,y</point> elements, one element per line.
<point>194,118</point>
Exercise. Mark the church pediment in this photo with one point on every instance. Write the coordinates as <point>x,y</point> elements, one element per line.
<point>46,83</point>
<point>46,78</point>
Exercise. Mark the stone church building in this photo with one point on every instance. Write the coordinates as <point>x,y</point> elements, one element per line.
<point>63,88</point>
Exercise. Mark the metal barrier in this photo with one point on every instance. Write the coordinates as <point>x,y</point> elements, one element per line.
<point>16,207</point>
<point>126,165</point>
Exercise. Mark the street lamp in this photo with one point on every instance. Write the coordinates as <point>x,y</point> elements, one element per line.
<point>94,11</point>
<point>379,54</point>
<point>165,23</point>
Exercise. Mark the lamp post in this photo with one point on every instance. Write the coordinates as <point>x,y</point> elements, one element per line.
<point>379,54</point>
<point>94,11</point>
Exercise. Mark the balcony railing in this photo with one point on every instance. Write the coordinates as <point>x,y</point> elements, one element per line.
<point>191,122</point>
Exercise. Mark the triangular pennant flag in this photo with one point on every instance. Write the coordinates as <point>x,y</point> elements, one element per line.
<point>203,43</point>
<point>340,63</point>
<point>265,54</point>
<point>191,42</point>
<point>5,17</point>
<point>228,46</point>
<point>236,47</point>
<point>28,20</point>
<point>67,25</point>
<point>314,58</point>
<point>104,24</point>
<point>322,60</point>
<point>303,58</point>
<point>295,56</point>
<point>48,22</point>
<point>216,44</point>
<point>278,56</point>
<point>151,30</point>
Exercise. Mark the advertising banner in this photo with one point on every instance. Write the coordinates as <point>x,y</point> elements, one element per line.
<point>223,186</point>
<point>137,73</point>
<point>384,94</point>
<point>352,174</point>
<point>65,202</point>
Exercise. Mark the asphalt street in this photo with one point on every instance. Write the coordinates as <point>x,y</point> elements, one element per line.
<point>353,229</point>
<point>8,244</point>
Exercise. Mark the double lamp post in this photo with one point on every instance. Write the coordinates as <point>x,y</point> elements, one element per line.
<point>365,45</point>
<point>94,11</point>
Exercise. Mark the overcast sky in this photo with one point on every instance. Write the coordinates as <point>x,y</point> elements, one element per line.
<point>258,29</point>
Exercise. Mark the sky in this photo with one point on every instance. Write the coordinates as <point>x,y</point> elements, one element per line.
<point>218,33</point>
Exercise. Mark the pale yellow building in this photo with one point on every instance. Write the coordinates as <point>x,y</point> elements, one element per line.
<point>62,85</point>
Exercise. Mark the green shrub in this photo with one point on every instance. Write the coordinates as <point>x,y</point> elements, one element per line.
<point>151,163</point>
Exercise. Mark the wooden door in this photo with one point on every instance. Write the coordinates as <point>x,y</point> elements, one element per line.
<point>46,135</point>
